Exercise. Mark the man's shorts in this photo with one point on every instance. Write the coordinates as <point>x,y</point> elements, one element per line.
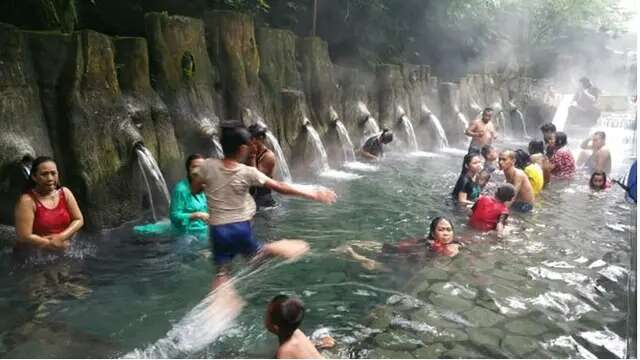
<point>229,240</point>
<point>522,207</point>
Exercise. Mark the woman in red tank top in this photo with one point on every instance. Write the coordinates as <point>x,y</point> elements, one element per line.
<point>47,215</point>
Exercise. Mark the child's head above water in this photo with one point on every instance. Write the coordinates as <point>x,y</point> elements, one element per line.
<point>489,153</point>
<point>284,315</point>
<point>598,180</point>
<point>483,178</point>
<point>505,193</point>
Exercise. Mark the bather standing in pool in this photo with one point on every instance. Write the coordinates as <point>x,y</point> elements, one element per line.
<point>439,241</point>
<point>520,181</point>
<point>481,131</point>
<point>264,160</point>
<point>373,148</point>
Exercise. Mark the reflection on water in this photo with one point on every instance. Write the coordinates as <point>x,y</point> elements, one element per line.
<point>556,286</point>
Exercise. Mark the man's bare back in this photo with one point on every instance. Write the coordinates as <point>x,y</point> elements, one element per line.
<point>520,181</point>
<point>298,347</point>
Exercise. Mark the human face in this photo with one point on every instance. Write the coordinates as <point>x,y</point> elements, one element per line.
<point>598,182</point>
<point>547,136</point>
<point>551,140</point>
<point>492,155</point>
<point>195,163</point>
<point>475,165</point>
<point>597,142</point>
<point>46,177</point>
<point>505,161</point>
<point>486,116</point>
<point>443,232</point>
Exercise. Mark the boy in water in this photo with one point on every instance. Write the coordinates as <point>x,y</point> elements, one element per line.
<point>490,155</point>
<point>231,207</point>
<point>491,212</point>
<point>284,316</point>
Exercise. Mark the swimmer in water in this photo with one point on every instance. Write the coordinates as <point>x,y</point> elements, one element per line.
<point>598,181</point>
<point>439,241</point>
<point>491,212</point>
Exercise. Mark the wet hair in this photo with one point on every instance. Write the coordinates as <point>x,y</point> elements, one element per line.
<point>506,192</point>
<point>522,159</point>
<point>190,159</point>
<point>287,313</point>
<point>386,136</point>
<point>258,131</point>
<point>233,137</point>
<point>487,109</point>
<point>548,127</point>
<point>536,147</point>
<point>601,135</point>
<point>434,224</point>
<point>484,174</point>
<point>604,177</point>
<point>466,161</point>
<point>486,149</point>
<point>35,165</point>
<point>561,139</point>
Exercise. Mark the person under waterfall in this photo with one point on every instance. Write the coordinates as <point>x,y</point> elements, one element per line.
<point>231,207</point>
<point>264,160</point>
<point>481,131</point>
<point>373,148</point>
<point>584,111</point>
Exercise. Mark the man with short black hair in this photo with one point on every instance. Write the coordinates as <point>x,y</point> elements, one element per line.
<point>373,148</point>
<point>520,181</point>
<point>264,160</point>
<point>481,131</point>
<point>600,159</point>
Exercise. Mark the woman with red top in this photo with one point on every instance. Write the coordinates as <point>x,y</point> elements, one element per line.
<point>440,241</point>
<point>46,215</point>
<point>563,165</point>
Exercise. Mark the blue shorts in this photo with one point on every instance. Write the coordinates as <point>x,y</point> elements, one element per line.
<point>229,240</point>
<point>522,207</point>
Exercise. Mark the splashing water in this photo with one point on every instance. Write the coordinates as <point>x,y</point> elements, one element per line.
<point>562,111</point>
<point>409,133</point>
<point>434,122</point>
<point>217,149</point>
<point>148,164</point>
<point>370,128</point>
<point>319,149</point>
<point>345,142</point>
<point>462,119</point>
<point>283,168</point>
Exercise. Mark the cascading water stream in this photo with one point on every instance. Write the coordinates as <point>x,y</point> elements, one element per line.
<point>562,111</point>
<point>520,118</point>
<point>370,128</point>
<point>282,167</point>
<point>435,123</point>
<point>148,165</point>
<point>345,142</point>
<point>410,134</point>
<point>217,149</point>
<point>318,147</point>
<point>462,119</point>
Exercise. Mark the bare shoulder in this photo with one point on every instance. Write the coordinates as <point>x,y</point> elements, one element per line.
<point>26,199</point>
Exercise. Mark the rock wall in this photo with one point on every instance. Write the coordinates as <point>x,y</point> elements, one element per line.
<point>23,130</point>
<point>185,79</point>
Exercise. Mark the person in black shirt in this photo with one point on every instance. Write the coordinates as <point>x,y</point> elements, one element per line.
<point>373,148</point>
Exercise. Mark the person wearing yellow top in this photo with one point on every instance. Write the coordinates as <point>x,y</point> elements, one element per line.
<point>533,170</point>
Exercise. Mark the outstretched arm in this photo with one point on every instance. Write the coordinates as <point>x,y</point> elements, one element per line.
<point>323,195</point>
<point>585,144</point>
<point>366,154</point>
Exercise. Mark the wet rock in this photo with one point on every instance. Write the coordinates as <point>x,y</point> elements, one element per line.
<point>397,340</point>
<point>454,289</point>
<point>463,352</point>
<point>519,345</point>
<point>485,337</point>
<point>380,318</point>
<point>444,335</point>
<point>391,93</point>
<point>389,354</point>
<point>433,351</point>
<point>525,327</point>
<point>480,316</point>
<point>452,303</point>
<point>508,275</point>
<point>433,318</point>
<point>435,274</point>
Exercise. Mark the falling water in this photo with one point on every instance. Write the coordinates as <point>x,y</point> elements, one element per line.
<point>520,118</point>
<point>283,168</point>
<point>562,111</point>
<point>217,149</point>
<point>148,164</point>
<point>434,122</point>
<point>462,119</point>
<point>345,142</point>
<point>409,133</point>
<point>318,147</point>
<point>370,127</point>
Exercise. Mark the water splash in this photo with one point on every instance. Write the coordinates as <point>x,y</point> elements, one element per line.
<point>345,142</point>
<point>370,128</point>
<point>434,122</point>
<point>462,119</point>
<point>319,149</point>
<point>407,128</point>
<point>562,111</point>
<point>281,166</point>
<point>217,149</point>
<point>148,165</point>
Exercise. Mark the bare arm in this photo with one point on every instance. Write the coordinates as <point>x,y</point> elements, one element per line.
<point>367,155</point>
<point>322,195</point>
<point>517,185</point>
<point>77,220</point>
<point>462,198</point>
<point>585,144</point>
<point>472,130</point>
<point>24,215</point>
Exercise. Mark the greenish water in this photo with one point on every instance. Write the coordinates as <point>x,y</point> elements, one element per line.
<point>557,286</point>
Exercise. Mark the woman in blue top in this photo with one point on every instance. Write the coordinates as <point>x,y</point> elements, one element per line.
<point>188,213</point>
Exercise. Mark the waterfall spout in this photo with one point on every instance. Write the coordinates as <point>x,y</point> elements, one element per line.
<point>407,128</point>
<point>434,123</point>
<point>318,147</point>
<point>345,142</point>
<point>148,165</point>
<point>282,168</point>
<point>562,111</point>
